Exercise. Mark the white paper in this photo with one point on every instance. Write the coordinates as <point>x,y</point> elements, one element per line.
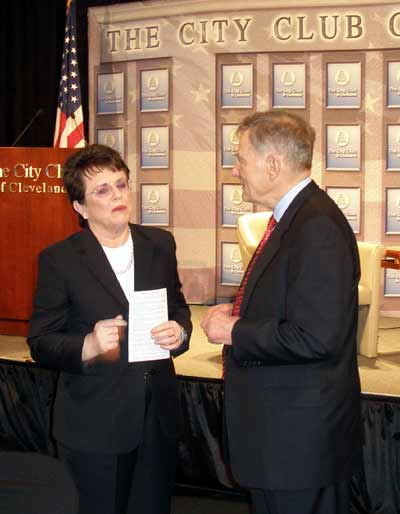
<point>147,309</point>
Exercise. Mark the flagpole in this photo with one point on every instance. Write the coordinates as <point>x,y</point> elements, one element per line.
<point>69,128</point>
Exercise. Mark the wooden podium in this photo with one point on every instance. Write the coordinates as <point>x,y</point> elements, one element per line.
<point>34,212</point>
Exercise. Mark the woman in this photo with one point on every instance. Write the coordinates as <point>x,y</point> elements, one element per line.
<point>116,422</point>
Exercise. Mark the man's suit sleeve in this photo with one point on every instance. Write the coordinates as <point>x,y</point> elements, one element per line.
<point>318,299</point>
<point>50,343</point>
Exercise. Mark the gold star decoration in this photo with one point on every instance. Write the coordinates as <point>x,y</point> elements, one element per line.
<point>132,96</point>
<point>201,94</point>
<point>262,103</point>
<point>176,118</point>
<point>370,103</point>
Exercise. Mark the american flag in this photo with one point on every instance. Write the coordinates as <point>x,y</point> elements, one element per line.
<point>69,131</point>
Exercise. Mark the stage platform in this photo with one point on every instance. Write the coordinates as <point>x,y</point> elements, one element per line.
<point>379,376</point>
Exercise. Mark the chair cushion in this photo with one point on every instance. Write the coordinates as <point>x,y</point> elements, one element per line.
<point>364,295</point>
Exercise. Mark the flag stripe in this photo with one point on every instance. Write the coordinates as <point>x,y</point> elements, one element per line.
<point>75,137</point>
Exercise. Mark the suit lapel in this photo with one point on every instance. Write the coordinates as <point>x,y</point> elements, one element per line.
<point>274,242</point>
<point>95,260</point>
<point>143,256</point>
<point>270,249</point>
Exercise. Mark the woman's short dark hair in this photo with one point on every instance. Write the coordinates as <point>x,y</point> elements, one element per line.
<point>85,163</point>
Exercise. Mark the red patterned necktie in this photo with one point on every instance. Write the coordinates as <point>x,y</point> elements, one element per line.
<point>239,297</point>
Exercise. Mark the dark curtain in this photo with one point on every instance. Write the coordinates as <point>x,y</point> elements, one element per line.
<point>31,43</point>
<point>31,39</point>
<point>26,397</point>
<point>376,487</point>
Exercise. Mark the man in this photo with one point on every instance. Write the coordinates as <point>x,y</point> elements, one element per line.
<point>292,389</point>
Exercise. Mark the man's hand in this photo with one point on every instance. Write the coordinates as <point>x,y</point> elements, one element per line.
<point>218,324</point>
<point>105,339</point>
<point>167,335</point>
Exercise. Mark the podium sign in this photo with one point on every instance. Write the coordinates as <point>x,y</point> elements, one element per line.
<point>34,212</point>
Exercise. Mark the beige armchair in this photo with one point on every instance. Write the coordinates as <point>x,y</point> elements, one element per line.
<point>369,289</point>
<point>250,230</point>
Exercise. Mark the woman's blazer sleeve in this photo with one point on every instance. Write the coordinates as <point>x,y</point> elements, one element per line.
<point>51,342</point>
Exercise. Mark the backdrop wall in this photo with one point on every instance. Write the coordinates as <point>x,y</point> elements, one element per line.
<point>169,82</point>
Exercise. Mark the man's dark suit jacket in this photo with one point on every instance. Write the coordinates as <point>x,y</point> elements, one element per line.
<point>99,406</point>
<point>292,390</point>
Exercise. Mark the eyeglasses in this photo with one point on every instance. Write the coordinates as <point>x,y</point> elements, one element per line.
<point>107,190</point>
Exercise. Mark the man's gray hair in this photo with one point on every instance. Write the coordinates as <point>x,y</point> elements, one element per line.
<point>284,131</point>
